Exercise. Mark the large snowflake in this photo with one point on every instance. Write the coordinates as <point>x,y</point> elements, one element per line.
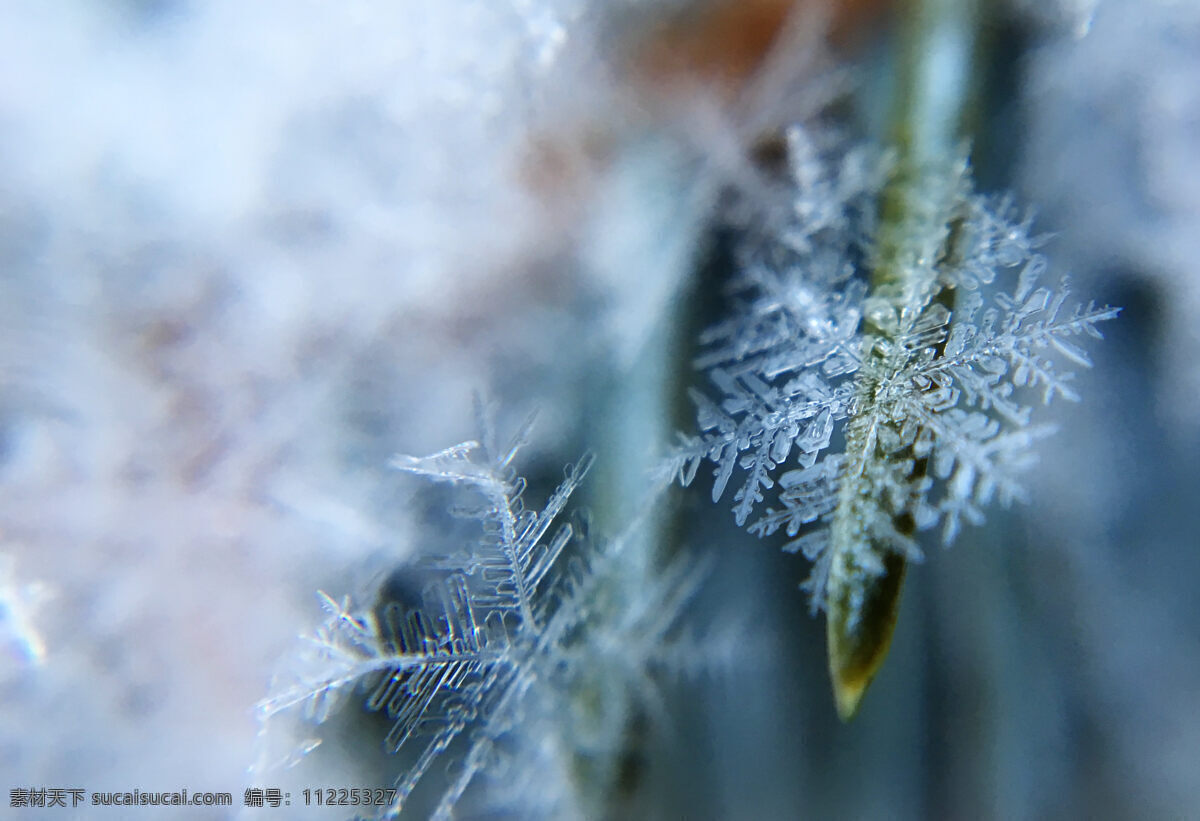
<point>927,376</point>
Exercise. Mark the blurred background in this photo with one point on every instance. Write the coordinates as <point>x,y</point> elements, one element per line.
<point>250,251</point>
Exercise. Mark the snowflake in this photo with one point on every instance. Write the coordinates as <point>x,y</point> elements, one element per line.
<point>514,662</point>
<point>925,372</point>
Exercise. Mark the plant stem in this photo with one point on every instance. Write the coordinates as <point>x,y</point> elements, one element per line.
<point>867,570</point>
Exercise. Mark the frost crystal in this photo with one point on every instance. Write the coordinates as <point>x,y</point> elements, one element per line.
<point>926,375</point>
<point>512,654</point>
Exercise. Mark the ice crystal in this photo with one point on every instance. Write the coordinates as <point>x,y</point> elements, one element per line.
<point>513,653</point>
<point>926,375</point>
